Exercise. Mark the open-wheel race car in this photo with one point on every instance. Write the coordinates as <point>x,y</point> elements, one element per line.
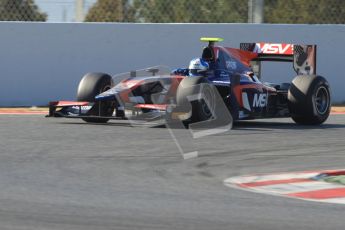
<point>228,76</point>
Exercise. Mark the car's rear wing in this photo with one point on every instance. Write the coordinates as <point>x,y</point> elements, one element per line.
<point>302,56</point>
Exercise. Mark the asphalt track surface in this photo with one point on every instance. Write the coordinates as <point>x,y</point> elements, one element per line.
<point>65,174</point>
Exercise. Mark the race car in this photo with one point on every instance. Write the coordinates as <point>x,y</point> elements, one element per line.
<point>232,79</point>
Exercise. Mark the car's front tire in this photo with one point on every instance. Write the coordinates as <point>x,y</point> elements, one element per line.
<point>89,87</point>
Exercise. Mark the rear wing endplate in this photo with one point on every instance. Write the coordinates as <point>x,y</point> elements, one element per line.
<point>302,56</point>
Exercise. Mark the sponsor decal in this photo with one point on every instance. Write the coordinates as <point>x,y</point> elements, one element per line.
<point>86,107</point>
<point>275,48</point>
<point>259,100</point>
<point>231,65</point>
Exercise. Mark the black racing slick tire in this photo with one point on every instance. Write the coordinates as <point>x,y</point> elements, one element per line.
<point>197,109</point>
<point>89,87</point>
<point>309,100</point>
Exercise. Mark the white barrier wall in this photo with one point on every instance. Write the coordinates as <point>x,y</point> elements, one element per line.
<point>41,62</point>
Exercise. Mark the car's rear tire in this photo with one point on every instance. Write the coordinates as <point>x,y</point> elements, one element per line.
<point>89,87</point>
<point>309,100</point>
<point>197,109</point>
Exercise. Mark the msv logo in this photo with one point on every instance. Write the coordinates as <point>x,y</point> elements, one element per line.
<point>260,100</point>
<point>275,48</point>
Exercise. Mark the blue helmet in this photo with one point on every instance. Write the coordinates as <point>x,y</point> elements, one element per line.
<point>198,67</point>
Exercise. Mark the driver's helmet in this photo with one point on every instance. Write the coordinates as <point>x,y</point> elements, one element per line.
<point>198,67</point>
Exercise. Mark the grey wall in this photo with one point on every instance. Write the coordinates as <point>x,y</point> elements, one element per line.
<point>41,62</point>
